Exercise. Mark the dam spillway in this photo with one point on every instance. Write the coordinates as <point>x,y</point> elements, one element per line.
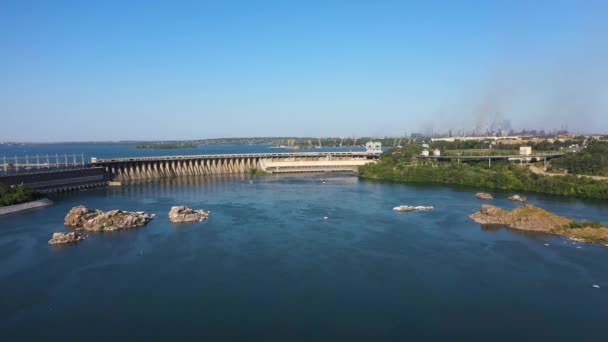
<point>127,169</point>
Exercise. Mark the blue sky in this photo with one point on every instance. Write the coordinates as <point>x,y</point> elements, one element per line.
<point>116,70</point>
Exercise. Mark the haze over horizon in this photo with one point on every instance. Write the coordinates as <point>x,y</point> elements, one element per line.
<point>108,71</point>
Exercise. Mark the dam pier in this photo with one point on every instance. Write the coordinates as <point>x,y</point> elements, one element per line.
<point>127,169</point>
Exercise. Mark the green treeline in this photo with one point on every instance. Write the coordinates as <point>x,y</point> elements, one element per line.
<point>17,195</point>
<point>399,165</point>
<point>593,160</point>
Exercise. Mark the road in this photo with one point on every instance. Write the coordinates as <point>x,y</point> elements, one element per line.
<point>541,171</point>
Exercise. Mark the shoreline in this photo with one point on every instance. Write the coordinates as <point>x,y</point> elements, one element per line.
<point>11,209</point>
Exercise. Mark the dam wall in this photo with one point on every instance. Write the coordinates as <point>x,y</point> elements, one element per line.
<point>127,169</point>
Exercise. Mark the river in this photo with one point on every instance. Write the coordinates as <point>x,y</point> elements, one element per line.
<point>266,265</point>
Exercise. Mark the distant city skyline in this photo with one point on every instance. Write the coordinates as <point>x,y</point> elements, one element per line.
<point>110,71</point>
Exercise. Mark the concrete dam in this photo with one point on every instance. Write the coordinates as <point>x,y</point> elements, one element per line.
<point>127,169</point>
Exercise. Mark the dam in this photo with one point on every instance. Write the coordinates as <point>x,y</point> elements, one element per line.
<point>127,169</point>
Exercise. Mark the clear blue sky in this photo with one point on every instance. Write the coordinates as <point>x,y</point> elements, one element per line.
<point>115,70</point>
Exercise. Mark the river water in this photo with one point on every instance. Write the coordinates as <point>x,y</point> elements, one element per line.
<point>266,265</point>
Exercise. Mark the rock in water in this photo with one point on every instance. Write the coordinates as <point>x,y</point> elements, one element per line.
<point>406,208</point>
<point>65,238</point>
<point>78,216</point>
<point>183,214</point>
<point>527,217</point>
<point>484,196</point>
<point>517,198</point>
<point>82,217</point>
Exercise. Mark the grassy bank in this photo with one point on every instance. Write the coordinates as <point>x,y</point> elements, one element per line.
<point>17,195</point>
<point>399,166</point>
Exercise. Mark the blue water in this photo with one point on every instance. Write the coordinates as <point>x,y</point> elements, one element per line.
<point>267,266</point>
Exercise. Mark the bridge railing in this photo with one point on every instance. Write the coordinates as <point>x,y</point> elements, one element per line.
<point>11,165</point>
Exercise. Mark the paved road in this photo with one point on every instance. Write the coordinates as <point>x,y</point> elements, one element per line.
<point>541,171</point>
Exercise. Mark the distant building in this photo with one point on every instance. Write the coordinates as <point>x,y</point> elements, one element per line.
<point>373,147</point>
<point>436,152</point>
<point>525,150</point>
<point>425,153</point>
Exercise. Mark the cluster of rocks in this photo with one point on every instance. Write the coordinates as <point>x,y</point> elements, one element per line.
<point>183,214</point>
<point>531,218</point>
<point>82,217</point>
<point>484,196</point>
<point>407,208</point>
<point>65,238</point>
<point>527,217</point>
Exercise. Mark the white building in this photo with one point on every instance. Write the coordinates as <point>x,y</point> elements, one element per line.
<point>436,152</point>
<point>425,153</point>
<point>525,150</point>
<point>373,147</point>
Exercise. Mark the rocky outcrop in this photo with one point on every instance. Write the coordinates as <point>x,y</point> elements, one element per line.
<point>517,198</point>
<point>66,238</point>
<point>78,216</point>
<point>527,217</point>
<point>531,218</point>
<point>407,208</point>
<point>82,217</point>
<point>183,214</point>
<point>484,196</point>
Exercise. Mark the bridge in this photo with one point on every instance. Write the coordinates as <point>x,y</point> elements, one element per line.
<point>136,168</point>
<point>59,180</point>
<point>515,158</point>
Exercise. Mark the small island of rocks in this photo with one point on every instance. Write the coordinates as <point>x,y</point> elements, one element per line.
<point>531,218</point>
<point>66,238</point>
<point>517,198</point>
<point>484,196</point>
<point>82,217</point>
<point>408,208</point>
<point>183,214</point>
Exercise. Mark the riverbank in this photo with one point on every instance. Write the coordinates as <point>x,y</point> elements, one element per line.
<point>501,176</point>
<point>25,206</point>
<point>17,194</point>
